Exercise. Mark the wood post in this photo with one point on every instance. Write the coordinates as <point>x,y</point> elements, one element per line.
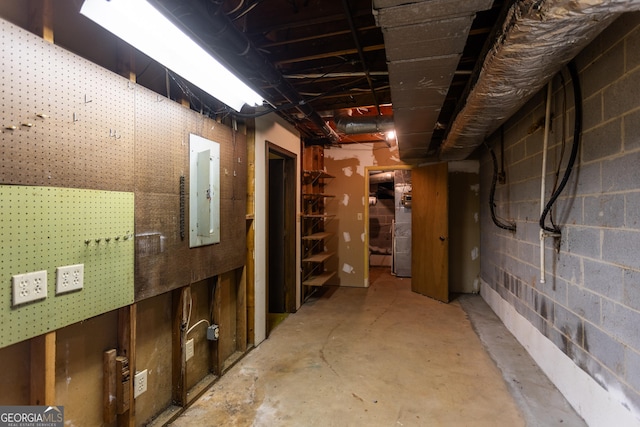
<point>43,369</point>
<point>181,299</point>
<point>127,348</point>
<point>41,18</point>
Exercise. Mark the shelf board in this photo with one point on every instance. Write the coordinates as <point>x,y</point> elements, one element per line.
<point>318,195</point>
<point>317,236</point>
<point>318,174</point>
<point>320,279</point>
<point>318,216</point>
<point>319,257</point>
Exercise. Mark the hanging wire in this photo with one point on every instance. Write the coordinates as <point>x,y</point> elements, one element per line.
<point>511,226</point>
<point>577,133</point>
<point>562,145</point>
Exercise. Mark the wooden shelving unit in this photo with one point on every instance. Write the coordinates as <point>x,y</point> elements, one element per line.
<point>314,219</point>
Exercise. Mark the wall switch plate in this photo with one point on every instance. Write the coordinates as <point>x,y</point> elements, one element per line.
<point>189,350</point>
<point>139,383</point>
<point>29,287</point>
<point>69,278</point>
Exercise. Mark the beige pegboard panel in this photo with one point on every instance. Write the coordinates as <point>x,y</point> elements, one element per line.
<point>74,121</point>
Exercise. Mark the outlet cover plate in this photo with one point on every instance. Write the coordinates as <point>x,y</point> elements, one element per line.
<point>69,278</point>
<point>139,383</point>
<point>189,350</point>
<point>29,287</point>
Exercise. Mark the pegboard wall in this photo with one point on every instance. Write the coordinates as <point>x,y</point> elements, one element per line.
<point>66,122</point>
<point>69,123</point>
<point>42,228</point>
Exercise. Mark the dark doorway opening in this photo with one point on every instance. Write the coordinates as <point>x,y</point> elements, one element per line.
<point>281,244</point>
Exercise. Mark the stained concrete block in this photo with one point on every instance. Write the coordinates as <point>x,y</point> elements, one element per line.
<point>632,289</point>
<point>527,210</point>
<point>568,267</point>
<point>591,112</point>
<point>622,96</point>
<point>632,52</point>
<point>567,322</point>
<point>607,68</point>
<point>604,348</point>
<point>584,303</point>
<point>632,365</point>
<point>604,279</point>
<point>545,307</point>
<point>606,210</point>
<point>589,178</point>
<point>602,141</point>
<point>621,173</point>
<point>528,168</point>
<point>621,322</point>
<point>621,246</point>
<point>583,241</point>
<point>515,153</point>
<point>568,209</point>
<point>528,252</point>
<point>631,126</point>
<point>555,288</point>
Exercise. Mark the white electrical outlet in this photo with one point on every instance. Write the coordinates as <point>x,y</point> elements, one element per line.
<point>188,353</point>
<point>69,278</point>
<point>29,287</point>
<point>139,383</point>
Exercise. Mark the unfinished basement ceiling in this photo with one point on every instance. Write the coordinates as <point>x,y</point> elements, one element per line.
<point>352,58</point>
<point>418,63</point>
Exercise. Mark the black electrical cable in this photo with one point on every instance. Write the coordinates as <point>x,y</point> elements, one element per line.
<point>577,133</point>
<point>492,206</point>
<point>556,179</point>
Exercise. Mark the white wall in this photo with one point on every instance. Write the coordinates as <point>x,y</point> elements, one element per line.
<point>270,129</point>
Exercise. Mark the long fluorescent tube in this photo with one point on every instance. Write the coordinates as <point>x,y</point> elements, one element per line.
<point>145,28</point>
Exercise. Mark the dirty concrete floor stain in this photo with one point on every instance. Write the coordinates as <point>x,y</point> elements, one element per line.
<point>382,356</point>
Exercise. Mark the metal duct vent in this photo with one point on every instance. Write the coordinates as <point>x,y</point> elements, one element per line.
<point>538,38</point>
<point>365,124</point>
<point>424,41</point>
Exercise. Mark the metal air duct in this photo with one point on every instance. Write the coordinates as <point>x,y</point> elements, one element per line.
<point>537,39</point>
<point>364,124</point>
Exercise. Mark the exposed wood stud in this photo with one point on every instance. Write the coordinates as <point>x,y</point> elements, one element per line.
<point>127,348</point>
<point>41,18</point>
<point>43,369</point>
<point>181,300</point>
<point>109,386</point>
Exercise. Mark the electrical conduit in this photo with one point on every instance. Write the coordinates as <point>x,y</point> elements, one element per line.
<point>543,182</point>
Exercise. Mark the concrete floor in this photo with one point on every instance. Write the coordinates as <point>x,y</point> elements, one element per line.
<point>382,356</point>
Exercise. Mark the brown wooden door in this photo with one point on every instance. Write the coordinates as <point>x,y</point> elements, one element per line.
<point>430,232</point>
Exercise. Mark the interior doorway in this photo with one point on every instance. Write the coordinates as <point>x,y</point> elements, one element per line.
<point>388,214</point>
<point>281,225</point>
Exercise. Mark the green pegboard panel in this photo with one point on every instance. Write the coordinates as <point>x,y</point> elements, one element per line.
<point>42,228</point>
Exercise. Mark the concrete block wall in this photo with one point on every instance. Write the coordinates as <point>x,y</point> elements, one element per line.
<point>589,306</point>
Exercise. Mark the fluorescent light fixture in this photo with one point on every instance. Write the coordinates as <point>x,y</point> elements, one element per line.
<point>142,26</point>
